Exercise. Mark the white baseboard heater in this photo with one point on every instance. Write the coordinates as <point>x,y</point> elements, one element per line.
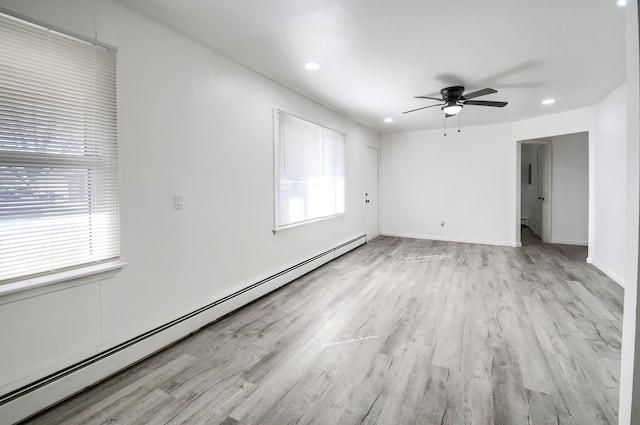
<point>32,398</point>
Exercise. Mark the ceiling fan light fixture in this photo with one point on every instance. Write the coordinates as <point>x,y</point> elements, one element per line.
<point>312,65</point>
<point>621,2</point>
<point>452,108</point>
<point>454,99</point>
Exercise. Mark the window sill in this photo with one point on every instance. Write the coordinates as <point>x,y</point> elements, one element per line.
<point>27,288</point>
<point>277,229</point>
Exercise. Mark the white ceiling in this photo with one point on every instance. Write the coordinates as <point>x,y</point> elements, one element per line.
<point>375,55</point>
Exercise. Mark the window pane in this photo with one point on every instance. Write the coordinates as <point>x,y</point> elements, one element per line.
<point>58,153</point>
<point>310,177</point>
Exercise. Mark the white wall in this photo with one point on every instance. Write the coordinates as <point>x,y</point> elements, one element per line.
<point>576,121</point>
<point>605,124</point>
<point>193,122</point>
<point>463,179</point>
<point>629,412</point>
<point>570,194</point>
<point>544,127</point>
<point>608,248</point>
<point>471,180</point>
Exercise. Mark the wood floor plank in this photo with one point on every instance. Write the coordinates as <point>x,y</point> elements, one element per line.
<point>405,390</point>
<point>144,410</point>
<point>124,401</point>
<point>574,388</point>
<point>399,331</point>
<point>509,395</point>
<point>212,405</point>
<point>450,338</point>
<point>436,407</point>
<point>543,410</point>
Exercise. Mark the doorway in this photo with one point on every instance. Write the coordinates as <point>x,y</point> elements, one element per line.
<point>554,190</point>
<point>371,193</point>
<point>535,197</point>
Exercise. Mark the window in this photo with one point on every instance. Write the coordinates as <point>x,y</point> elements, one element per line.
<point>58,154</point>
<point>310,177</point>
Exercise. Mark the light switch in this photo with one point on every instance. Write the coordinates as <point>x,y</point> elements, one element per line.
<point>177,201</point>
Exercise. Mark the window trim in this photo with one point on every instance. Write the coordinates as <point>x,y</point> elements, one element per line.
<point>302,223</point>
<point>276,174</point>
<point>59,280</point>
<point>48,27</point>
<point>28,286</point>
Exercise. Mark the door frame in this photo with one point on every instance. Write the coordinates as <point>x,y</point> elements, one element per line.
<point>548,185</point>
<point>366,224</point>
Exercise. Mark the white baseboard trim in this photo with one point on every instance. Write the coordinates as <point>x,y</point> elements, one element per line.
<point>30,399</point>
<point>569,242</point>
<point>617,279</point>
<point>449,239</point>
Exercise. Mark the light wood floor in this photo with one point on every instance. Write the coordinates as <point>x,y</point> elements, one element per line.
<point>399,331</point>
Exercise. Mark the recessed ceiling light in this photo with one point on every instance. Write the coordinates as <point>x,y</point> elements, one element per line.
<point>621,2</point>
<point>548,101</point>
<point>388,120</point>
<point>312,65</point>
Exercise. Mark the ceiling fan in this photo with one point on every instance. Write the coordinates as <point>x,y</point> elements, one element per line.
<point>454,99</point>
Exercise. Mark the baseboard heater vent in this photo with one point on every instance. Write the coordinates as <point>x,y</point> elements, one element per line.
<point>284,276</point>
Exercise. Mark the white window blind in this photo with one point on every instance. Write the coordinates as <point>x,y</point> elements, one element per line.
<point>310,181</point>
<point>58,154</point>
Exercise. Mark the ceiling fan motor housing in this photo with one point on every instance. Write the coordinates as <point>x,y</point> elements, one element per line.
<point>452,93</point>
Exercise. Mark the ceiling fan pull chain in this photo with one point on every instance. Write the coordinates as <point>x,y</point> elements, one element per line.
<point>445,125</point>
<point>459,123</point>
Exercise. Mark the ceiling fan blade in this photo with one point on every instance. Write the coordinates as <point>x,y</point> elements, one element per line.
<point>424,107</point>
<point>485,103</point>
<point>428,97</point>
<point>478,93</point>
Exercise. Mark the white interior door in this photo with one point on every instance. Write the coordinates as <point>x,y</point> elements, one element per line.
<point>540,192</point>
<point>371,193</point>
